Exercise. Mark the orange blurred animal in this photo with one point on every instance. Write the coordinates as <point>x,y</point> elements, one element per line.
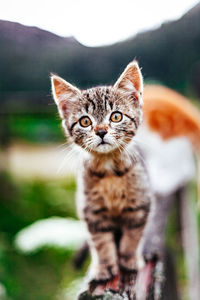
<point>169,114</point>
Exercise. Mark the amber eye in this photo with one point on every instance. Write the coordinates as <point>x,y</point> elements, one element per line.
<point>116,117</point>
<point>85,121</point>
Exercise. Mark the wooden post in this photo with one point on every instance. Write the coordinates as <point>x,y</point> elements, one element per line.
<point>106,296</point>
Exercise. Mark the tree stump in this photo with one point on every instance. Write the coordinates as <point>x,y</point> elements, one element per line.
<point>146,284</point>
<point>106,296</point>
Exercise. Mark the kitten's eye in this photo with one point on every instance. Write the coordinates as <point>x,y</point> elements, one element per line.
<point>85,121</point>
<point>116,117</point>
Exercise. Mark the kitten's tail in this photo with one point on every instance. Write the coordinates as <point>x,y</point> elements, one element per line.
<point>169,114</point>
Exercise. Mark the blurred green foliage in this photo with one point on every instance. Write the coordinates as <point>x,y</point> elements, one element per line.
<point>44,274</point>
<point>23,202</point>
<point>37,128</point>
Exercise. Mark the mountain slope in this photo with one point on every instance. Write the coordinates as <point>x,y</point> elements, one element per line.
<point>169,54</point>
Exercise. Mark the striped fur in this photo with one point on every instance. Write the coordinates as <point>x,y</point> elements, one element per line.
<point>113,188</point>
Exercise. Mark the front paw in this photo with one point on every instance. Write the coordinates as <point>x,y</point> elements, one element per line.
<point>105,278</point>
<point>106,273</point>
<point>128,262</point>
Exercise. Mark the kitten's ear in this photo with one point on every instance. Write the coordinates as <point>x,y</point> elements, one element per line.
<point>131,81</point>
<point>64,93</point>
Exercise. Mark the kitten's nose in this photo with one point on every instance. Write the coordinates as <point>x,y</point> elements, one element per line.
<point>101,132</point>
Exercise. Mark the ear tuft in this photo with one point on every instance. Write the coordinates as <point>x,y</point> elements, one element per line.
<point>131,80</point>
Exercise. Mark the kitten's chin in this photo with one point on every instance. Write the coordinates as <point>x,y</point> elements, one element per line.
<point>105,148</point>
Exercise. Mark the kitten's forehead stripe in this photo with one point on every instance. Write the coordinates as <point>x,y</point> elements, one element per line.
<point>105,104</point>
<point>111,105</point>
<point>97,100</point>
<point>86,107</point>
<point>90,99</point>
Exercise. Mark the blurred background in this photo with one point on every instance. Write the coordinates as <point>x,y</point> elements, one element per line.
<point>88,43</point>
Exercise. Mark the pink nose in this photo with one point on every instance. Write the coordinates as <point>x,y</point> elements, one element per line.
<point>101,133</point>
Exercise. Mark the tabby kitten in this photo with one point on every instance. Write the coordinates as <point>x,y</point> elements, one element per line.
<point>113,189</point>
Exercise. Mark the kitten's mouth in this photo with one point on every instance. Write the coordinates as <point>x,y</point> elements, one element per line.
<point>104,147</point>
<point>103,143</point>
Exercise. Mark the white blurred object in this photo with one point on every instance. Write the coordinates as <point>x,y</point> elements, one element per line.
<point>55,231</point>
<point>51,161</point>
<point>3,294</point>
<point>170,163</point>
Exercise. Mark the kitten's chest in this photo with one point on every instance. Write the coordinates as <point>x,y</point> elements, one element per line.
<point>115,189</point>
<point>113,193</point>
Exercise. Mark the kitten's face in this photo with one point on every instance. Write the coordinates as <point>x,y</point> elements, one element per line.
<point>101,119</point>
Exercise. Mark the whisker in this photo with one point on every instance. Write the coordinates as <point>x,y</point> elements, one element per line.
<point>67,157</point>
<point>64,144</point>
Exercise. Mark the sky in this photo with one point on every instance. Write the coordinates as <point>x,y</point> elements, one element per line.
<point>94,22</point>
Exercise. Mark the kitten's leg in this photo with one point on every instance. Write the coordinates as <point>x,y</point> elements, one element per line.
<point>133,223</point>
<point>104,256</point>
<point>128,247</point>
<point>102,244</point>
